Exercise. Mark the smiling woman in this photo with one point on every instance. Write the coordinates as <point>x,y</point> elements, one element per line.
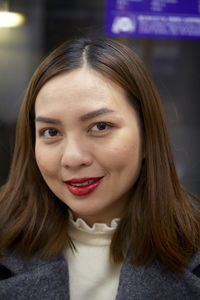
<point>94,148</point>
<point>93,208</point>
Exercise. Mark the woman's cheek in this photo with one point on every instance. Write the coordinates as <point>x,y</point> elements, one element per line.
<point>121,151</point>
<point>45,160</point>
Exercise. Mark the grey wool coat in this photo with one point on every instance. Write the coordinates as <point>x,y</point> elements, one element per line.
<point>41,279</point>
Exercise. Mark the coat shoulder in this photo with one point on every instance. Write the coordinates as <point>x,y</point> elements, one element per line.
<point>35,278</point>
<point>158,282</point>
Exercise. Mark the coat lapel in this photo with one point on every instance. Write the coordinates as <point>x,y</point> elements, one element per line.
<point>158,282</point>
<point>35,279</point>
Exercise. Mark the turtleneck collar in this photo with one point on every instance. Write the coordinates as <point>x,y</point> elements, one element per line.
<point>97,234</point>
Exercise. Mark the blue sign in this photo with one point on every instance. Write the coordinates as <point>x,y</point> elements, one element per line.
<point>153,18</point>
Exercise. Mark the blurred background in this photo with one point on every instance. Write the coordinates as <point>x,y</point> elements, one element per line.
<point>173,62</point>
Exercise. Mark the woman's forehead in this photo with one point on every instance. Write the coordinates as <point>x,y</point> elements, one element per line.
<point>84,87</point>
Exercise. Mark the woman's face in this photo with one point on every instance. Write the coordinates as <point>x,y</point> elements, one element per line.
<point>88,144</point>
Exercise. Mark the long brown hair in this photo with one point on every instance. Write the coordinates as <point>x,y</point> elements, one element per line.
<point>161,220</point>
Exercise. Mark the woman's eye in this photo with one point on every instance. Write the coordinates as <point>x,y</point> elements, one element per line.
<point>50,132</point>
<point>101,126</point>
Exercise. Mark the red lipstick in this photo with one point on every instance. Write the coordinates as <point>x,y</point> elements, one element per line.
<point>83,186</point>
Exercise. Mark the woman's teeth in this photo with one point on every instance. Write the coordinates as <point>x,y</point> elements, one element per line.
<point>84,183</point>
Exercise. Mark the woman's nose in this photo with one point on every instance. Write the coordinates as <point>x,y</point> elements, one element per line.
<point>76,153</point>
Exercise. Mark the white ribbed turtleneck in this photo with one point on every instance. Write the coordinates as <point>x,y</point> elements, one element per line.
<point>92,276</point>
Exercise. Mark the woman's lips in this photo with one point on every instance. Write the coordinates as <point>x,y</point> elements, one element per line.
<point>83,186</point>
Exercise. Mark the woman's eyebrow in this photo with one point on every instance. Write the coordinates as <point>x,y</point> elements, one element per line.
<point>95,113</point>
<point>47,120</point>
<point>85,117</point>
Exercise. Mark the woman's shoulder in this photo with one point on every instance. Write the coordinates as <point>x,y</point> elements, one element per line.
<point>17,263</point>
<point>159,282</point>
<point>39,277</point>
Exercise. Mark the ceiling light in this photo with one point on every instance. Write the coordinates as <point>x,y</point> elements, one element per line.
<point>11,19</point>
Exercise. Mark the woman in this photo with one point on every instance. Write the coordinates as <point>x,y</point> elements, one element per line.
<point>93,208</point>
